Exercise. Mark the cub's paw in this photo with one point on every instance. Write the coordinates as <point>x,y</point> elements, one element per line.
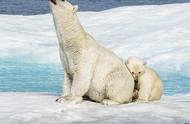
<point>109,102</point>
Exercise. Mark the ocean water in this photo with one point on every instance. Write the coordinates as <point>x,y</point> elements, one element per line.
<point>28,76</point>
<point>19,76</point>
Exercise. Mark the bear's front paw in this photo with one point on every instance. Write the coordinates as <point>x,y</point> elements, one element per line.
<point>74,100</point>
<point>62,99</point>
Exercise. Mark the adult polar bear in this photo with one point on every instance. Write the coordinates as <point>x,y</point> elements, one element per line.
<point>89,69</point>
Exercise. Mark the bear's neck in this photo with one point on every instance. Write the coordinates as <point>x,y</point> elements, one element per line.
<point>71,31</point>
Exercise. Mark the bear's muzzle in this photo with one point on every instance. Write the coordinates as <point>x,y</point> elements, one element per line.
<point>53,1</point>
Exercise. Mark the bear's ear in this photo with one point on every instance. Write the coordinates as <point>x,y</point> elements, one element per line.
<point>75,8</point>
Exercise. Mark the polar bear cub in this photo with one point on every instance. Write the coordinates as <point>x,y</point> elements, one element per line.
<point>147,81</point>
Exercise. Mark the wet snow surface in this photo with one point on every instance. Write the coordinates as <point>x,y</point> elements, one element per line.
<point>34,108</point>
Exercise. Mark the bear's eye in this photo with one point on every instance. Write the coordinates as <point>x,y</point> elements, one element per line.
<point>132,72</point>
<point>139,72</point>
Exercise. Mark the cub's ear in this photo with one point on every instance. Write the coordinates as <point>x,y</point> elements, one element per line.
<point>75,8</point>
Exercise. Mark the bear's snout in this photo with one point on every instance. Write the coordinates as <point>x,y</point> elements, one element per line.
<point>53,1</point>
<point>135,77</point>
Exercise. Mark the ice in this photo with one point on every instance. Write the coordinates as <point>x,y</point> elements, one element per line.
<point>32,37</point>
<point>34,108</point>
<point>160,34</point>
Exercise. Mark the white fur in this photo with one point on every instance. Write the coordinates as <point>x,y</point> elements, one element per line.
<point>89,68</point>
<point>149,83</point>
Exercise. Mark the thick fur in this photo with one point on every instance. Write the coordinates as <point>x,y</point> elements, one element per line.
<point>149,84</point>
<point>90,69</point>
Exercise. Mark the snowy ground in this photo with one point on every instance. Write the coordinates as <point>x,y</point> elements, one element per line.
<point>25,108</point>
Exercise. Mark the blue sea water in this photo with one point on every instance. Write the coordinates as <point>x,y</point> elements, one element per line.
<point>19,75</point>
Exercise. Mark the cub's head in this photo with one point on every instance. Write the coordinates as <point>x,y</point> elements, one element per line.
<point>136,66</point>
<point>62,9</point>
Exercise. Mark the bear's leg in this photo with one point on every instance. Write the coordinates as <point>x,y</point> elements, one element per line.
<point>119,87</point>
<point>67,79</point>
<point>110,102</point>
<point>155,94</point>
<point>135,95</point>
<point>80,85</point>
<point>144,92</point>
<point>143,97</point>
<point>66,89</point>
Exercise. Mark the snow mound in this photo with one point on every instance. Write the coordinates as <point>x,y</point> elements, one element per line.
<point>160,34</point>
<point>33,108</point>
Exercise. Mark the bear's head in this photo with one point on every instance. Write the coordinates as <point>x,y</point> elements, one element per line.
<point>62,10</point>
<point>136,66</point>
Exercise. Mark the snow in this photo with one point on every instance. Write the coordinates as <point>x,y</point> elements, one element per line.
<point>36,108</point>
<point>160,34</point>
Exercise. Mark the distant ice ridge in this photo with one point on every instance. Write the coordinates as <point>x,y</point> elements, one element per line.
<point>160,34</point>
<point>33,108</point>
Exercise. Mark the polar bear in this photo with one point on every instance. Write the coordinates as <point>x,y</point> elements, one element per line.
<point>89,69</point>
<point>147,81</point>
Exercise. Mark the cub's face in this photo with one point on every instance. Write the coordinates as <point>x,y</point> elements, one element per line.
<point>136,66</point>
<point>62,9</point>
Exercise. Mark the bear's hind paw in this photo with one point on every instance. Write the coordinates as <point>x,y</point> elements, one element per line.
<point>69,100</point>
<point>109,102</point>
